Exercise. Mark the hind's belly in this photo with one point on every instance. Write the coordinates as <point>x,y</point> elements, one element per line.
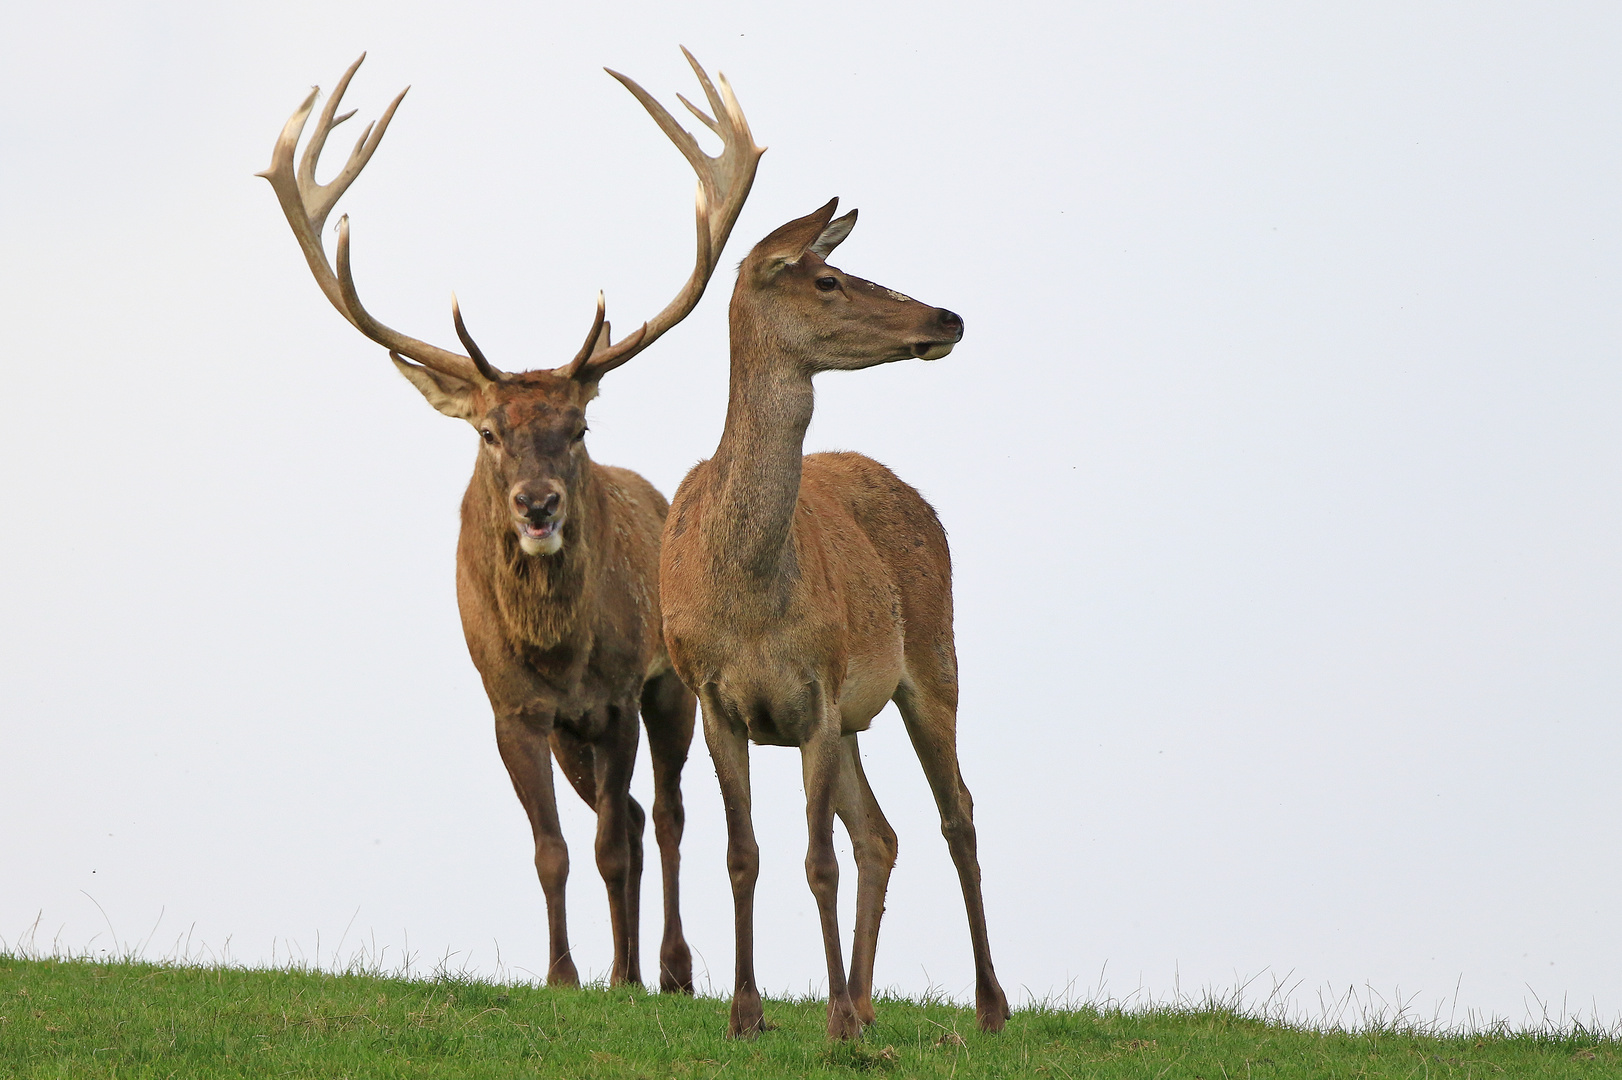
<point>870,682</point>
<point>781,702</point>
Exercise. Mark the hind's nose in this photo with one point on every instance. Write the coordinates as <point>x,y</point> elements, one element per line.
<point>951,320</point>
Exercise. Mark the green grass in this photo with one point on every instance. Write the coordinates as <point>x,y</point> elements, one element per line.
<point>90,1019</point>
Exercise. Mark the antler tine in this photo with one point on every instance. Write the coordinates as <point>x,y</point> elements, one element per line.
<point>590,346</point>
<point>306,204</point>
<point>723,185</point>
<point>318,198</point>
<point>677,134</point>
<point>716,105</point>
<point>703,117</point>
<point>487,369</point>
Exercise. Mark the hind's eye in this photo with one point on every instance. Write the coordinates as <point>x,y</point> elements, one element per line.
<point>579,435</point>
<point>827,284</point>
<point>487,435</point>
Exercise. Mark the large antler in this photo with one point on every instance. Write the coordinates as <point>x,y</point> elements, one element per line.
<point>723,185</point>
<point>307,204</point>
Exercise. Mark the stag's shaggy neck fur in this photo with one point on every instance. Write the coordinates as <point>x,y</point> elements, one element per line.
<point>543,601</point>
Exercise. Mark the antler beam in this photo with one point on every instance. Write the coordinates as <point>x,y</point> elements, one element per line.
<point>306,205</point>
<point>723,185</point>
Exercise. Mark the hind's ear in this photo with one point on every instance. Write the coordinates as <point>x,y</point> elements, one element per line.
<point>833,235</point>
<point>788,242</point>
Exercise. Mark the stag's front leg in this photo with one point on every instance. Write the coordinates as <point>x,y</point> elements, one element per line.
<point>729,750</point>
<point>619,860</point>
<point>522,740</point>
<point>822,759</point>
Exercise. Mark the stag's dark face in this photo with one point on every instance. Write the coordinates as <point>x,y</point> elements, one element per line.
<point>534,428</point>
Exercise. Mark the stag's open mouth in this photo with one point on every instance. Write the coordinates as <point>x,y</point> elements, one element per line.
<point>543,539</point>
<point>538,532</point>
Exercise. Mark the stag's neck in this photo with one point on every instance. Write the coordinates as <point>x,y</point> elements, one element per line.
<point>540,600</point>
<point>758,462</point>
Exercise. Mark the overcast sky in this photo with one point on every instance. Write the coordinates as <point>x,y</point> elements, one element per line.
<point>1280,460</point>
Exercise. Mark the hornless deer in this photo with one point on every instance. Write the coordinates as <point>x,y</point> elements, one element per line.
<point>801,594</point>
<point>557,565</point>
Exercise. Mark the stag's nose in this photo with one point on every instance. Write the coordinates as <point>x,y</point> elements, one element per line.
<point>536,507</point>
<point>950,319</point>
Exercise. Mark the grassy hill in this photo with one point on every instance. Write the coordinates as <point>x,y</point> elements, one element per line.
<point>86,1019</point>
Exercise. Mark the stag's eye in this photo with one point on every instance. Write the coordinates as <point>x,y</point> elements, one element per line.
<point>827,284</point>
<point>487,435</point>
<point>580,435</point>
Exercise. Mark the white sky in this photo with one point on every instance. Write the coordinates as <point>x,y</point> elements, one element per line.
<point>1280,461</point>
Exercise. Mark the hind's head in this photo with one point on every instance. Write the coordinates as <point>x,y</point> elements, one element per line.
<point>789,293</point>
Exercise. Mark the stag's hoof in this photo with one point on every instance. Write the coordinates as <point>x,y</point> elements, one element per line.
<point>842,1020</point>
<point>864,1011</point>
<point>563,974</point>
<point>676,969</point>
<point>747,1019</point>
<point>991,1009</point>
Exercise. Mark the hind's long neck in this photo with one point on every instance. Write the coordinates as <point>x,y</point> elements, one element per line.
<point>757,465</point>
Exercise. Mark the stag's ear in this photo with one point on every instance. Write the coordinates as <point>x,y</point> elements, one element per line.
<point>448,394</point>
<point>788,242</point>
<point>833,235</point>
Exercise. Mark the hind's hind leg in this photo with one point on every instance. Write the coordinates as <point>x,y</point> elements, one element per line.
<point>929,707</point>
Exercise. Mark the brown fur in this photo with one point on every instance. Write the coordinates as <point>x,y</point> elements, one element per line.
<point>569,648</point>
<point>557,565</point>
<point>803,593</point>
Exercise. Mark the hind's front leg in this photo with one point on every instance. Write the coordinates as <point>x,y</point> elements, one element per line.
<point>667,713</point>
<point>822,759</point>
<point>729,750</point>
<point>874,844</point>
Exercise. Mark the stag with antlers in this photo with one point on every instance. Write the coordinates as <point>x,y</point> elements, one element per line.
<point>558,561</point>
<point>801,594</point>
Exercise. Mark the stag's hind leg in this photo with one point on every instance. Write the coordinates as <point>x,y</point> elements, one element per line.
<point>874,844</point>
<point>929,708</point>
<point>667,712</point>
<point>579,761</point>
<point>619,838</point>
